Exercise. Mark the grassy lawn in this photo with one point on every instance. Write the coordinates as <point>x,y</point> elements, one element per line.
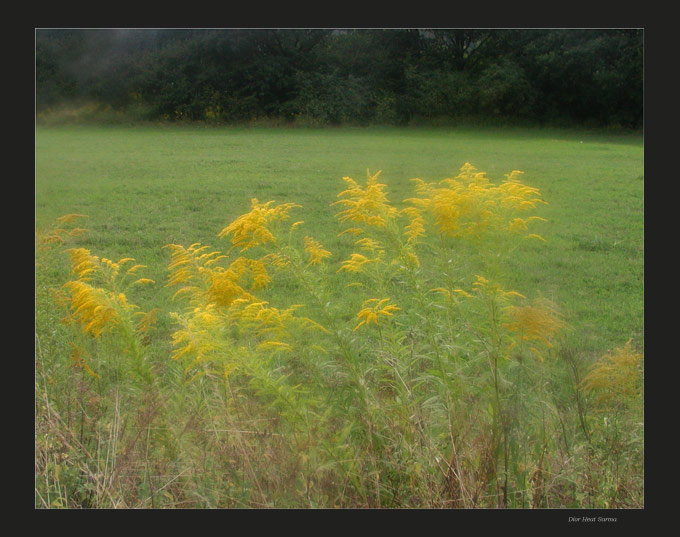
<point>145,187</point>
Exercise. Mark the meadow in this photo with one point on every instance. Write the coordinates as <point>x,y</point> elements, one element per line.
<point>441,362</point>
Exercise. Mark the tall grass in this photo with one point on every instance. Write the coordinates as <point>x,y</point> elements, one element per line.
<point>393,366</point>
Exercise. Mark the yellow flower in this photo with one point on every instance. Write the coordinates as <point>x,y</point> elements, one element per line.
<point>416,227</point>
<point>316,252</point>
<point>83,263</point>
<point>469,205</point>
<point>79,361</point>
<point>449,294</point>
<point>276,260</point>
<point>266,318</point>
<point>367,205</point>
<point>616,377</point>
<point>355,263</point>
<point>144,280</point>
<point>492,289</point>
<point>147,321</point>
<point>57,235</point>
<point>352,230</point>
<point>518,224</point>
<point>134,269</point>
<point>372,309</point>
<point>369,245</point>
<point>279,345</point>
<point>93,308</point>
<point>258,272</point>
<point>95,297</point>
<point>222,287</point>
<point>196,336</point>
<point>88,267</point>
<point>68,218</point>
<point>268,323</point>
<point>253,228</point>
<point>538,321</point>
<point>195,268</point>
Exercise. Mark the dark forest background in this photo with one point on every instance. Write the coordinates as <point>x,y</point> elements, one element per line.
<point>591,77</point>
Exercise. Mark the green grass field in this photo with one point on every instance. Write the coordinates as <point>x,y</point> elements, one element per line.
<point>143,188</point>
<point>459,399</point>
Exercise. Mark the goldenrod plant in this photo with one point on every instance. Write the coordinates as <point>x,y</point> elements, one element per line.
<point>614,389</point>
<point>98,303</point>
<point>395,369</point>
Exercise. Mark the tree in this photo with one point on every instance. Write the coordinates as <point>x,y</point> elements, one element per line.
<point>545,75</point>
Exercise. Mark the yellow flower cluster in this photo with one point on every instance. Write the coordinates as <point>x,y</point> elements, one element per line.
<point>356,263</point>
<point>70,218</point>
<point>491,289</point>
<point>368,205</point>
<point>185,263</point>
<point>94,309</point>
<point>538,321</point>
<point>207,282</point>
<point>223,309</point>
<point>372,309</point>
<point>95,301</point>
<point>370,245</point>
<point>87,266</point>
<point>616,377</point>
<point>197,333</point>
<point>254,228</point>
<point>269,323</point>
<point>416,227</point>
<point>58,235</point>
<point>202,333</point>
<point>315,251</point>
<point>220,296</point>
<point>469,205</point>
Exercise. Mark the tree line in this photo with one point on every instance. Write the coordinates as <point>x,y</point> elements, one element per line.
<point>355,76</point>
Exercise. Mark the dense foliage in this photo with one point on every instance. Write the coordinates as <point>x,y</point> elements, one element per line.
<point>587,76</point>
